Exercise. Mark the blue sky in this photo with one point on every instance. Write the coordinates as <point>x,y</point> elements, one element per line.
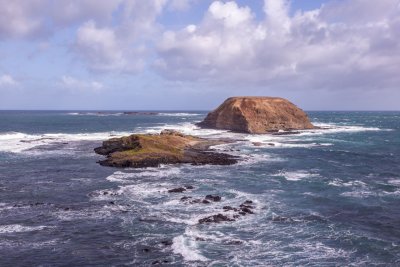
<point>192,54</point>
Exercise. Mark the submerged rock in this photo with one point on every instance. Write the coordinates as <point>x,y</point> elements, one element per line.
<point>216,219</point>
<point>177,190</point>
<point>257,115</point>
<point>213,198</point>
<point>169,147</point>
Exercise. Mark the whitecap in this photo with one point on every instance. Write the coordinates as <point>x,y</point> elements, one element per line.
<point>179,114</point>
<point>18,228</point>
<point>296,175</point>
<point>159,172</point>
<point>187,247</point>
<point>17,142</point>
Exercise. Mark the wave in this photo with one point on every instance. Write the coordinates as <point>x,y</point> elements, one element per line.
<point>179,114</point>
<point>18,228</point>
<point>17,142</point>
<point>296,175</point>
<point>187,247</point>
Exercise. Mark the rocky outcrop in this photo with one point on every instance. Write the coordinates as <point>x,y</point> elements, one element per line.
<point>257,115</point>
<point>168,147</point>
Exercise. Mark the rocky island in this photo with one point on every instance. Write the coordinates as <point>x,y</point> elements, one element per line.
<point>168,147</point>
<point>257,115</point>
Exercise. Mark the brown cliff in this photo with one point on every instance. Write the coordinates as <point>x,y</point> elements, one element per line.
<point>257,115</point>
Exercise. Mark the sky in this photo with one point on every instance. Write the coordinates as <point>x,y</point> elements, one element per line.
<point>193,54</point>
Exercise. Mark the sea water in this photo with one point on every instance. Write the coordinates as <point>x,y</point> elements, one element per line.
<point>324,197</point>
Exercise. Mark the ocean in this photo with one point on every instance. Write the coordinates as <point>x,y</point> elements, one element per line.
<point>324,197</point>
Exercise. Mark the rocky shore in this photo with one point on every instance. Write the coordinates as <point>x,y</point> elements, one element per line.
<point>168,147</point>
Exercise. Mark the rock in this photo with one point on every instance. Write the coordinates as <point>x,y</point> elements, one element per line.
<point>286,133</point>
<point>169,147</point>
<point>247,210</point>
<point>171,132</point>
<point>205,201</point>
<point>167,243</point>
<point>189,187</point>
<point>177,190</point>
<point>247,202</point>
<point>257,144</point>
<point>216,219</point>
<point>139,113</point>
<point>185,198</point>
<point>213,198</point>
<point>257,115</point>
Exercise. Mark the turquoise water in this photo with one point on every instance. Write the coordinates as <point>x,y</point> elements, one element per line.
<point>328,197</point>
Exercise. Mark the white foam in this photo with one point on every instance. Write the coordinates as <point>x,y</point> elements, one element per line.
<point>297,175</point>
<point>18,228</point>
<point>127,177</point>
<point>187,247</point>
<point>394,181</point>
<point>17,142</point>
<point>179,114</point>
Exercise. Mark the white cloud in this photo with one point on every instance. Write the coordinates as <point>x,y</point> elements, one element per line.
<point>71,83</point>
<point>121,47</point>
<point>7,81</point>
<point>99,47</point>
<point>324,48</point>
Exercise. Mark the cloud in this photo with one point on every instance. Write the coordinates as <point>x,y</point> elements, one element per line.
<point>121,47</point>
<point>71,83</point>
<point>7,81</point>
<point>326,48</point>
<point>20,18</point>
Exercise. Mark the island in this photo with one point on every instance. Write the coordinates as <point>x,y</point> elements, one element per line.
<point>257,115</point>
<point>168,147</point>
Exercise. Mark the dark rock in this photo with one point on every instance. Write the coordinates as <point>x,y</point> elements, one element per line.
<point>226,208</point>
<point>146,250</point>
<point>271,144</point>
<point>139,113</point>
<point>189,187</point>
<point>247,210</point>
<point>246,206</point>
<point>213,198</point>
<point>185,198</point>
<point>205,201</point>
<point>216,219</point>
<point>200,239</point>
<point>235,242</point>
<point>177,190</point>
<point>286,133</point>
<point>247,202</point>
<point>112,202</point>
<point>167,243</point>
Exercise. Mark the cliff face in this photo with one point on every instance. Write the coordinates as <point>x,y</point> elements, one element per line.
<point>257,115</point>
